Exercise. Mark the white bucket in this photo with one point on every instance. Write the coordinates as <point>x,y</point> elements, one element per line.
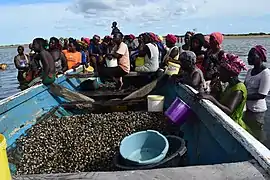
<point>172,68</point>
<point>112,62</point>
<point>155,103</point>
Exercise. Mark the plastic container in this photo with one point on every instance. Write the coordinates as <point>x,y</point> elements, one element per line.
<point>172,68</point>
<point>176,157</point>
<point>4,168</point>
<point>139,61</point>
<point>155,103</point>
<point>112,63</point>
<point>144,148</point>
<point>178,111</point>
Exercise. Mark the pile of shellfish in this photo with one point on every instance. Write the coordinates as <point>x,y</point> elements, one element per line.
<point>81,143</point>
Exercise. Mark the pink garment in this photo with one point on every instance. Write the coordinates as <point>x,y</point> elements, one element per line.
<point>232,63</point>
<point>171,38</point>
<point>86,40</point>
<point>132,36</point>
<point>261,52</point>
<point>218,37</point>
<point>124,61</point>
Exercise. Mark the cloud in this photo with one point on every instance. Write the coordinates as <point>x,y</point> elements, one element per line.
<point>22,22</point>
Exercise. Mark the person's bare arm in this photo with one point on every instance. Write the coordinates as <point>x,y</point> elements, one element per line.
<point>194,81</point>
<point>64,62</point>
<point>45,64</point>
<point>229,106</point>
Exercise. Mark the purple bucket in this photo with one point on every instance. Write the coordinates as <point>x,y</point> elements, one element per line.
<point>178,111</point>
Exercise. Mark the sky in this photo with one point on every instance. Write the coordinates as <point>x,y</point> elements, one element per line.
<point>23,20</point>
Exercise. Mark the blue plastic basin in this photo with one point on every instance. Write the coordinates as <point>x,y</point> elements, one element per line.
<point>144,147</point>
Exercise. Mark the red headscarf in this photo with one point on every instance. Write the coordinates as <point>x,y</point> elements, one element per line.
<point>232,63</point>
<point>86,40</point>
<point>261,52</point>
<point>218,37</point>
<point>131,36</point>
<point>171,38</point>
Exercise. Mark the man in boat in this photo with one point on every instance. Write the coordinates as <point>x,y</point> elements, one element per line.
<point>46,60</point>
<point>114,28</point>
<point>150,53</point>
<point>22,62</point>
<point>59,57</point>
<point>172,54</point>
<point>121,53</point>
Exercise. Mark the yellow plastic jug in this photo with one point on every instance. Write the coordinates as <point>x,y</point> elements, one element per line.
<point>139,61</point>
<point>4,168</point>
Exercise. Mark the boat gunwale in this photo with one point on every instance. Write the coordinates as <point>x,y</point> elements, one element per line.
<point>250,143</point>
<point>21,93</point>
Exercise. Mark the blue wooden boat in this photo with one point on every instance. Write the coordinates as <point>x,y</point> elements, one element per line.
<point>218,148</point>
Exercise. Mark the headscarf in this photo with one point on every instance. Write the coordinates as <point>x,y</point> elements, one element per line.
<point>171,38</point>
<point>96,37</point>
<point>86,40</point>
<point>131,36</point>
<point>218,37</point>
<point>261,52</point>
<point>188,56</point>
<point>200,38</point>
<point>232,63</point>
<point>82,44</point>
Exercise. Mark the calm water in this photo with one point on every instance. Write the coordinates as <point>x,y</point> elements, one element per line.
<point>9,84</point>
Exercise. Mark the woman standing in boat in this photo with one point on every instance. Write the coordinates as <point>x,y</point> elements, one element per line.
<point>233,99</point>
<point>197,43</point>
<point>59,57</point>
<point>258,85</point>
<point>22,63</point>
<point>213,56</point>
<point>74,58</point>
<point>150,53</point>
<point>172,53</point>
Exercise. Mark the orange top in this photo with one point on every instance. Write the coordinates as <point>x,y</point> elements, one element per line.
<point>73,58</point>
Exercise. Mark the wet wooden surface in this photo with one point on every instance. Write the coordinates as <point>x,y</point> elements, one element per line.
<point>242,170</point>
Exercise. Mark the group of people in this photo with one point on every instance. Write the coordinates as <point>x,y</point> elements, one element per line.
<point>204,66</point>
<point>214,73</point>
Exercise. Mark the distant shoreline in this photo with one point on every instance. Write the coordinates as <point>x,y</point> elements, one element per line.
<point>226,36</point>
<point>246,36</point>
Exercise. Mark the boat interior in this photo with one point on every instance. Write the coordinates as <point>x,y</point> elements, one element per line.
<point>215,144</point>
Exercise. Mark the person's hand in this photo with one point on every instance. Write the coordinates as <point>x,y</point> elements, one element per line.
<point>202,95</point>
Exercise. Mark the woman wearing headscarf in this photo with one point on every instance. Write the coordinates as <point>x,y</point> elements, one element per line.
<point>213,56</point>
<point>197,42</point>
<point>190,74</point>
<point>233,98</point>
<point>258,85</point>
<point>150,53</point>
<point>172,53</point>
